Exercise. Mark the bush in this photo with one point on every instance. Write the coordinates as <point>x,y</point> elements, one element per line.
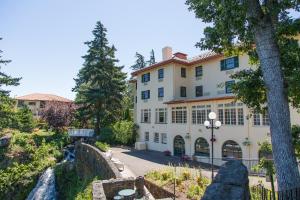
<point>125,132</point>
<point>107,135</point>
<point>195,192</point>
<point>186,175</point>
<point>102,146</point>
<point>24,120</point>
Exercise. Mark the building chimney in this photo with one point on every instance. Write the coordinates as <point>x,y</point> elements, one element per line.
<point>167,53</point>
<point>181,55</point>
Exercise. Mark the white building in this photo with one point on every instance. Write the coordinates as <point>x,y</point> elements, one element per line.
<point>174,97</point>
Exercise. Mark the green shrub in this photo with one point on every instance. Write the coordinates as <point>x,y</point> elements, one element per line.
<point>195,192</point>
<point>24,120</point>
<point>70,186</point>
<point>186,175</point>
<point>102,146</point>
<point>107,135</point>
<point>125,132</point>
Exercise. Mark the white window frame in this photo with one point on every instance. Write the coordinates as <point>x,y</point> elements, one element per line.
<point>179,115</point>
<point>144,113</point>
<point>164,138</point>
<point>158,113</point>
<point>156,137</point>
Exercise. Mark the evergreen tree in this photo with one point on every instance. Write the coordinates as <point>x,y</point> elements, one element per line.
<point>6,80</point>
<point>6,103</point>
<point>140,62</point>
<point>152,58</point>
<point>100,83</point>
<point>264,30</point>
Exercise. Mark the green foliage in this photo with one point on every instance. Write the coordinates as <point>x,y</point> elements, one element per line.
<point>195,192</point>
<point>296,139</point>
<point>125,132</point>
<point>32,154</point>
<point>102,146</point>
<point>100,84</point>
<point>70,186</point>
<point>24,120</point>
<point>185,175</point>
<point>107,135</point>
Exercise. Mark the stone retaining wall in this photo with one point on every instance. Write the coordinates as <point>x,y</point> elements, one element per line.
<point>90,162</point>
<point>157,191</point>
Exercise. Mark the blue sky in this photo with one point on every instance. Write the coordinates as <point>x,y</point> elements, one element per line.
<point>44,38</point>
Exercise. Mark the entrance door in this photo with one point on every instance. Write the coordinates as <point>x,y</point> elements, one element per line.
<point>179,147</point>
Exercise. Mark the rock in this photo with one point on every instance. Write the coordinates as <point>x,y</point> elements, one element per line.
<point>5,140</point>
<point>231,183</point>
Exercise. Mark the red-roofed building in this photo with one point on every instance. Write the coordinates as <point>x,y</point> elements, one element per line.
<point>37,101</point>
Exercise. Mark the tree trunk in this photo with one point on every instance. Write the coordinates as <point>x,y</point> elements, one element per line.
<point>278,107</point>
<point>97,125</point>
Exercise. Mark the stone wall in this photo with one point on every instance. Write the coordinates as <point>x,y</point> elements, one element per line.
<point>107,189</point>
<point>157,191</point>
<point>90,162</point>
<point>231,183</point>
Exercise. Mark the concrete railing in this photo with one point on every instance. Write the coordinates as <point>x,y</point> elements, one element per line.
<point>81,132</point>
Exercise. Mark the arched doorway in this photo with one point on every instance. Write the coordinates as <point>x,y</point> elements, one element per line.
<point>231,150</point>
<point>179,146</point>
<point>201,147</point>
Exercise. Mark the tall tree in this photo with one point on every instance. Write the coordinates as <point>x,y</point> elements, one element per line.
<point>6,103</point>
<point>152,58</point>
<point>140,62</point>
<point>6,80</point>
<point>259,28</point>
<point>100,83</point>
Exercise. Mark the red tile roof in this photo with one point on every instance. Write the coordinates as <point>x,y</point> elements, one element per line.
<point>43,97</point>
<point>198,59</point>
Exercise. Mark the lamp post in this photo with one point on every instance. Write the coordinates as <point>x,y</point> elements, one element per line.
<point>211,125</point>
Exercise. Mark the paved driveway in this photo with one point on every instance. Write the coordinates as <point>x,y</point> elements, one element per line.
<point>140,162</point>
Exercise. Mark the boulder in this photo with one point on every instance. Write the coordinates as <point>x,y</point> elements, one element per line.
<point>5,140</point>
<point>231,183</point>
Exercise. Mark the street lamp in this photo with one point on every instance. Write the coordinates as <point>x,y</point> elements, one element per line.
<point>211,125</point>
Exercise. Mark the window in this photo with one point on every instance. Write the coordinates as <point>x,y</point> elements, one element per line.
<point>160,73</point>
<point>145,78</point>
<point>179,115</point>
<point>31,103</point>
<point>229,63</point>
<point>146,94</point>
<point>20,103</point>
<point>200,114</point>
<point>145,115</point>
<point>161,116</point>
<point>42,104</point>
<point>240,116</point>
<point>228,86</point>
<point>199,91</point>
<point>231,114</point>
<point>199,71</point>
<point>156,137</point>
<point>221,115</point>
<point>183,72</point>
<point>201,147</point>
<point>231,150</point>
<point>265,119</point>
<point>256,118</point>
<point>161,92</point>
<point>164,138</point>
<point>182,91</point>
<point>147,136</point>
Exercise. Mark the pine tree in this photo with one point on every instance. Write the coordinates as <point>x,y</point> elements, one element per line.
<point>6,80</point>
<point>6,103</point>
<point>140,62</point>
<point>152,58</point>
<point>100,83</point>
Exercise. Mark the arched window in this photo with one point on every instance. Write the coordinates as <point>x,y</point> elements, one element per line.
<point>179,146</point>
<point>231,150</point>
<point>201,147</point>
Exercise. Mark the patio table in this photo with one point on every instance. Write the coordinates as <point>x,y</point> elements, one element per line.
<point>127,193</point>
